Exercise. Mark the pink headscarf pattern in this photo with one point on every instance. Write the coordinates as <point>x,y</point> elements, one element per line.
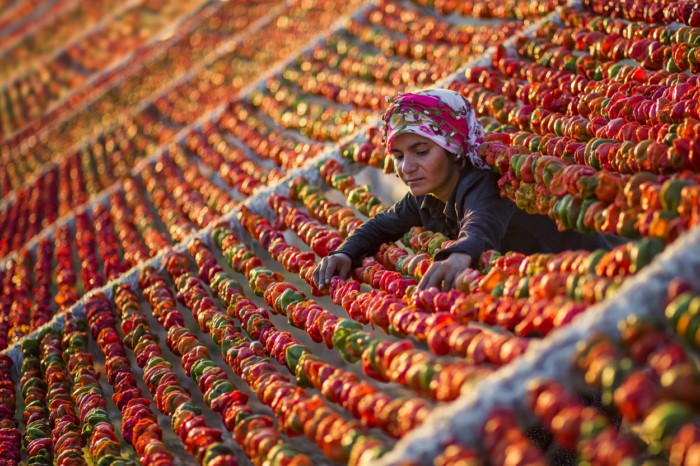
<point>441,115</point>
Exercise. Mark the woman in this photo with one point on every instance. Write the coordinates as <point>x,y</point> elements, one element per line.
<point>433,137</point>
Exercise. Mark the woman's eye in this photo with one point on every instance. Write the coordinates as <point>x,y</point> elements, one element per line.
<point>421,153</point>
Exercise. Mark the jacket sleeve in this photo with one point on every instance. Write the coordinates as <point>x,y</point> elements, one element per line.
<point>382,228</point>
<point>484,214</point>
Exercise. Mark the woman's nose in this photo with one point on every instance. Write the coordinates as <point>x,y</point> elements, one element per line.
<point>408,164</point>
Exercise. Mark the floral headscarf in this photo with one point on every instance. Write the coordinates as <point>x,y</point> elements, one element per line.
<point>443,116</point>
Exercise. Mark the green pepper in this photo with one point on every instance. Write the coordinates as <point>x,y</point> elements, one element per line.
<point>663,422</point>
<point>435,244</point>
<point>218,388</point>
<point>678,307</point>
<point>523,288</point>
<point>670,195</point>
<point>580,225</point>
<point>33,432</point>
<point>92,418</point>
<point>300,373</point>
<point>255,323</point>
<point>30,346</point>
<point>214,450</point>
<point>293,354</point>
<point>349,439</point>
<point>516,163</point>
<point>109,460</point>
<point>427,372</point>
<point>612,377</point>
<point>355,344</point>
<point>287,297</point>
<point>644,252</point>
<point>343,330</point>
<point>218,234</point>
<point>497,291</point>
<point>590,428</point>
<point>200,367</point>
<point>279,452</point>
<point>156,361</point>
<point>561,209</point>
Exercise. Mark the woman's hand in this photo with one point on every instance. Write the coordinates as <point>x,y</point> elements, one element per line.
<point>330,266</point>
<point>443,274</point>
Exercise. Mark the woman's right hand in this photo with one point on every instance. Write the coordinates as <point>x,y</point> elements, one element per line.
<point>330,266</point>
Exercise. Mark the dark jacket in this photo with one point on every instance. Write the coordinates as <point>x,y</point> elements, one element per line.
<point>476,215</point>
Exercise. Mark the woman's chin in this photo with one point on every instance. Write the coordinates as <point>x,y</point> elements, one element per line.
<point>418,191</point>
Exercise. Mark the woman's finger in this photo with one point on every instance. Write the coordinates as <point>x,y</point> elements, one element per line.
<point>432,278</point>
<point>344,269</point>
<point>329,271</point>
<point>449,281</point>
<point>317,274</point>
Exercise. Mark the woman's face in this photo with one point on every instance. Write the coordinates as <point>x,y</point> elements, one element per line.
<point>424,166</point>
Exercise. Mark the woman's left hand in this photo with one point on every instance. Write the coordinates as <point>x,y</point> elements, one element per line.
<point>443,274</point>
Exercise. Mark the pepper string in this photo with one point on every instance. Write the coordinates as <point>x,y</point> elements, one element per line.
<point>584,276</point>
<point>189,201</point>
<point>681,59</point>
<point>411,33</point>
<point>219,393</point>
<point>71,185</point>
<point>255,433</point>
<point>172,398</point>
<point>20,307</point>
<point>504,9</point>
<point>139,423</point>
<point>145,222</point>
<point>675,11</point>
<point>10,287</point>
<point>216,198</point>
<point>177,223</point>
<point>348,87</point>
<point>501,433</point>
<point>89,260</point>
<point>681,314</point>
<point>647,386</point>
<point>285,106</point>
<point>108,243</point>
<point>282,104</point>
<point>66,278</point>
<point>37,440</point>
<point>41,309</point>
<point>133,247</point>
<point>248,62</point>
<point>246,123</point>
<point>296,411</point>
<point>640,295</point>
<point>338,385</point>
<point>571,194</point>
<point>648,378</point>
<point>128,95</point>
<point>233,167</point>
<point>85,50</point>
<point>586,431</point>
<point>348,54</point>
<point>388,311</point>
<point>64,28</point>
<point>143,119</point>
<point>381,359</point>
<point>103,445</point>
<point>10,437</point>
<point>199,88</point>
<point>66,440</point>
